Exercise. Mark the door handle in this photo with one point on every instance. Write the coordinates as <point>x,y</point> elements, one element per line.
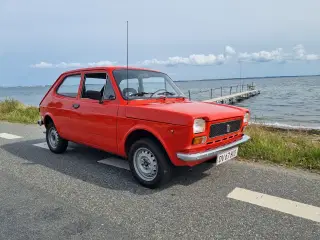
<point>76,105</point>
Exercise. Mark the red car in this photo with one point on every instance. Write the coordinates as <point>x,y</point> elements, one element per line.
<point>140,115</point>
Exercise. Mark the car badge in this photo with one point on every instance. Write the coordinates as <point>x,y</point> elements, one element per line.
<point>228,128</point>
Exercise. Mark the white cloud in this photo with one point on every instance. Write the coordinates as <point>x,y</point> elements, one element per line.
<point>278,55</point>
<point>59,65</point>
<point>101,63</point>
<point>301,54</point>
<point>42,65</point>
<point>262,56</point>
<point>193,59</point>
<point>67,65</point>
<point>229,50</point>
<point>312,57</point>
<point>72,64</point>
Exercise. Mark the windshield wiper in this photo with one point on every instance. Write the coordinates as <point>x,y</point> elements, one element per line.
<point>140,94</point>
<point>167,93</point>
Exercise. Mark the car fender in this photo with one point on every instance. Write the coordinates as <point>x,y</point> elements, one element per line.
<point>145,128</point>
<point>52,117</point>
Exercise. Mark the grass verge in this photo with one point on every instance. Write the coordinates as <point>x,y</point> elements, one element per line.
<point>294,148</point>
<point>14,111</point>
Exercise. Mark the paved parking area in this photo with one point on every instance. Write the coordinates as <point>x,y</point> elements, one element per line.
<point>83,194</point>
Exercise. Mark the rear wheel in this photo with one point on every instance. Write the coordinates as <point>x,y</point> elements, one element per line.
<point>149,163</point>
<point>55,143</point>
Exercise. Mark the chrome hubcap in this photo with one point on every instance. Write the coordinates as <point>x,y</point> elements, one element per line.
<point>145,164</point>
<point>53,137</point>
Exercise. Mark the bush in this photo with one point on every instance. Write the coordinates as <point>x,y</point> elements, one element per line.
<point>14,111</point>
<point>296,148</point>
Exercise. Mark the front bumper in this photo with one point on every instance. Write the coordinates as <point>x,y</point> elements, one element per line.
<point>40,122</point>
<point>189,157</point>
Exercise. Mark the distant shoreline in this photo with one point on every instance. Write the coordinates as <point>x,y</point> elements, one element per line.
<point>247,78</point>
<point>205,79</point>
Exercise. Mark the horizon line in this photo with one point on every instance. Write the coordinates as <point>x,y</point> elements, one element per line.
<point>204,79</point>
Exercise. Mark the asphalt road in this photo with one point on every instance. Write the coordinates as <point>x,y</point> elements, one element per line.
<point>72,196</point>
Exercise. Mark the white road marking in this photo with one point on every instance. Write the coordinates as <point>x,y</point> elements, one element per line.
<point>42,145</point>
<point>9,136</point>
<point>276,203</point>
<point>116,162</point>
<point>45,145</point>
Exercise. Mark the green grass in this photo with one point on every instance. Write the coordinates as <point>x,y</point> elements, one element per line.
<point>293,148</point>
<point>13,111</point>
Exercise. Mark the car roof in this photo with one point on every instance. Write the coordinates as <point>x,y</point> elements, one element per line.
<point>107,68</point>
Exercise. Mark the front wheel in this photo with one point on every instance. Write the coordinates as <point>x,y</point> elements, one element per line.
<point>149,163</point>
<point>55,143</point>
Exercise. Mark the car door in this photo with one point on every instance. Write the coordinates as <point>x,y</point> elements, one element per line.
<point>64,101</point>
<point>98,119</point>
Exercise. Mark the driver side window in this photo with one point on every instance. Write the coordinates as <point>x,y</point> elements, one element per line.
<point>97,85</point>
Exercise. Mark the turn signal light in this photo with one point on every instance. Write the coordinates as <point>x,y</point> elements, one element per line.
<point>199,140</point>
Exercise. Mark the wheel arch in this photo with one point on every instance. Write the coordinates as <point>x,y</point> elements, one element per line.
<point>143,132</point>
<point>47,119</point>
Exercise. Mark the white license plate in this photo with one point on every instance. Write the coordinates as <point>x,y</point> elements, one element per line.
<point>227,155</point>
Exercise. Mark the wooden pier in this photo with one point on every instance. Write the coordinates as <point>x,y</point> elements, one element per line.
<point>233,98</point>
<point>234,93</point>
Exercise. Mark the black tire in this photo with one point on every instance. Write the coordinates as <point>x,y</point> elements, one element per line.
<point>61,144</point>
<point>164,166</point>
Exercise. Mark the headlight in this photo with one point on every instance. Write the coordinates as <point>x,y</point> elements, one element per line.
<point>199,125</point>
<point>246,118</point>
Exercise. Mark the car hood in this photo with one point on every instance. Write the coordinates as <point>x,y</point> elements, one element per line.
<point>183,113</point>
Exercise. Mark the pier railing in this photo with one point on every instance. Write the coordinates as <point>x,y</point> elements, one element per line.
<point>209,93</point>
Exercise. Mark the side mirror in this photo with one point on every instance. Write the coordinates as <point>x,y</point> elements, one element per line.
<point>111,97</point>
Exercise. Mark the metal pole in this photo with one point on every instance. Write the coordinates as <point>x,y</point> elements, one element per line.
<point>127,58</point>
<point>211,93</point>
<point>230,90</point>
<point>221,91</point>
<point>189,94</point>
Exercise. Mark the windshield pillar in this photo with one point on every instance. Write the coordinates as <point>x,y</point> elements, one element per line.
<point>141,88</point>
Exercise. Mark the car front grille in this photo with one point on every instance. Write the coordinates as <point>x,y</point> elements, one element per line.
<point>223,128</point>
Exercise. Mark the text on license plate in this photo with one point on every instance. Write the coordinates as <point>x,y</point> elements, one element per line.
<point>227,155</point>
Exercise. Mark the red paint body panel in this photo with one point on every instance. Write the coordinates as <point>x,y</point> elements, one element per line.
<point>106,126</point>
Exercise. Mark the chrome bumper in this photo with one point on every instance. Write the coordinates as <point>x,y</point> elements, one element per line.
<point>189,157</point>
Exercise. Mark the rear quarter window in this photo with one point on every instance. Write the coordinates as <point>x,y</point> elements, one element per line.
<point>70,86</point>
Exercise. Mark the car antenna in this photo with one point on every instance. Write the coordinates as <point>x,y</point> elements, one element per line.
<point>127,59</point>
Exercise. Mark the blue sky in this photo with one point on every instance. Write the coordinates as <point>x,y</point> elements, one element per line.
<point>186,39</point>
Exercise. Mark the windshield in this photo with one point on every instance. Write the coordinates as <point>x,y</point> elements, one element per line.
<point>144,84</point>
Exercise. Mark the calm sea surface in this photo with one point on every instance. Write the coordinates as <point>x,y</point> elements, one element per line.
<point>287,102</point>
